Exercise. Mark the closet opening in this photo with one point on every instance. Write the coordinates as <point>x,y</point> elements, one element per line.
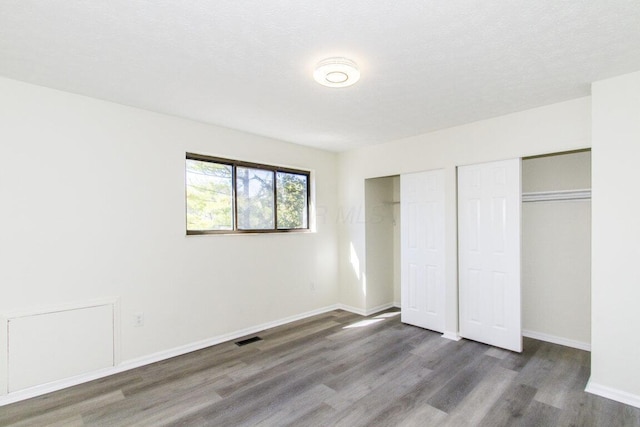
<point>382,234</point>
<point>556,248</point>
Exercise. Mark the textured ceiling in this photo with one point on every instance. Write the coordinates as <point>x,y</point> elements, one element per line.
<point>248,65</point>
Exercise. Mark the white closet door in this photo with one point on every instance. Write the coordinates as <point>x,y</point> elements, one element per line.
<point>422,249</point>
<point>489,197</point>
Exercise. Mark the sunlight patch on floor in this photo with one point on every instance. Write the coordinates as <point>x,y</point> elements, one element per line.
<point>363,323</point>
<point>389,314</point>
<point>367,322</point>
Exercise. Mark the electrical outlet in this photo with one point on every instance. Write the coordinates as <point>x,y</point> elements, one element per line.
<point>138,319</point>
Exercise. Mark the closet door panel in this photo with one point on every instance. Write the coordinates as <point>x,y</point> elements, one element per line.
<point>422,249</point>
<point>489,196</point>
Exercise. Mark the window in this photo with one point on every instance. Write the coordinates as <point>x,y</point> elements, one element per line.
<point>229,196</point>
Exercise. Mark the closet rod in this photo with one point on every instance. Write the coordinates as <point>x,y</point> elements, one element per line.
<point>560,195</point>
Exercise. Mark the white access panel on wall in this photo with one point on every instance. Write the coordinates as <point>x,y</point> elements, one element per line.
<point>44,346</point>
<point>489,197</point>
<point>422,249</point>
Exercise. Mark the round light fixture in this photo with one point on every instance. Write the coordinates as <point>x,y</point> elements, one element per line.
<point>336,72</point>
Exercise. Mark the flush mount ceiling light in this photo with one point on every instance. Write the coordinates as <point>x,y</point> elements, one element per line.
<point>336,72</point>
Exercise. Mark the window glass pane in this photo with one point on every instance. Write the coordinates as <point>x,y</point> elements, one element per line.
<point>209,196</point>
<point>255,199</point>
<point>292,200</point>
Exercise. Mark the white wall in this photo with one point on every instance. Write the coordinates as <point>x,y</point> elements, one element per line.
<point>93,206</point>
<point>556,251</point>
<point>554,128</point>
<point>615,363</point>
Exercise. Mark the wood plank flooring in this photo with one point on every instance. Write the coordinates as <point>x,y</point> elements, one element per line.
<point>340,369</point>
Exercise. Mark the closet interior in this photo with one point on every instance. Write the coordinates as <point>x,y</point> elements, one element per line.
<point>556,248</point>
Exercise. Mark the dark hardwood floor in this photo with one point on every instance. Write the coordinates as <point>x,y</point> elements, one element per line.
<point>339,369</point>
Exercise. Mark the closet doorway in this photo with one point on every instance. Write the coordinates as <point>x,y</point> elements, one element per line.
<point>405,258</point>
<point>556,248</point>
<point>382,243</point>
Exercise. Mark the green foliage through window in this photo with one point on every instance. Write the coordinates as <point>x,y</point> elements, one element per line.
<point>209,196</point>
<point>292,200</point>
<point>230,196</point>
<point>255,199</point>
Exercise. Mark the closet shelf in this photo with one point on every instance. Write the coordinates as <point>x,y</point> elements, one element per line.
<point>560,195</point>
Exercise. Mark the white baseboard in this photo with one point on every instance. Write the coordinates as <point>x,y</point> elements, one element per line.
<point>557,340</point>
<point>152,358</point>
<point>365,312</point>
<point>451,336</point>
<point>352,309</point>
<point>613,394</point>
<point>379,308</point>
